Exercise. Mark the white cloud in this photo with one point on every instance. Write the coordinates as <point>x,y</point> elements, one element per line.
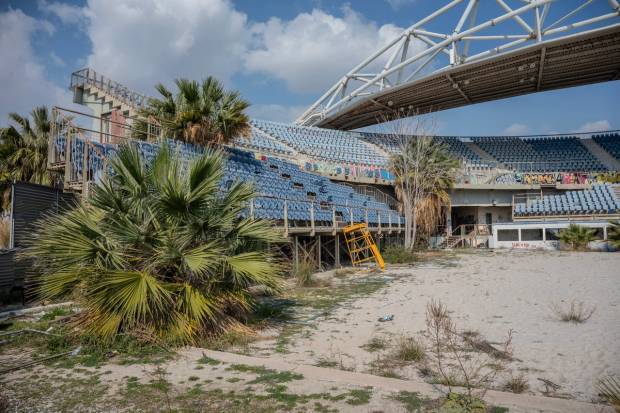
<point>67,13</point>
<point>315,49</point>
<point>140,43</point>
<point>23,79</point>
<point>516,129</point>
<point>275,113</point>
<point>595,126</point>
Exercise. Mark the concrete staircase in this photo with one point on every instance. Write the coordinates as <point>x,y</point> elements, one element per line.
<point>481,153</point>
<point>104,95</point>
<point>602,155</point>
<point>450,242</point>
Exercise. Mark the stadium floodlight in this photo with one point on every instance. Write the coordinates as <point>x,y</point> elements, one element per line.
<point>420,53</point>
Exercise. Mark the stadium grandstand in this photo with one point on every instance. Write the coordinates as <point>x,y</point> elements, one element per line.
<point>317,175</point>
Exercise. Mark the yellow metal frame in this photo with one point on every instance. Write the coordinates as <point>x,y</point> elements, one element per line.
<point>361,245</point>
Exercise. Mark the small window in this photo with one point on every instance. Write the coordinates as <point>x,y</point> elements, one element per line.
<point>272,166</point>
<point>508,235</point>
<point>552,234</point>
<point>531,234</point>
<point>298,185</point>
<point>286,176</point>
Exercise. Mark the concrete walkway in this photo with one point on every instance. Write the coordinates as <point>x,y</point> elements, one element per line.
<point>515,402</point>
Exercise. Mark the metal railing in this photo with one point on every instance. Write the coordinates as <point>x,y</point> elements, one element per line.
<point>376,193</point>
<point>339,219</point>
<point>90,77</point>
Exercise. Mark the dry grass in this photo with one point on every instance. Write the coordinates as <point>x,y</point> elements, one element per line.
<point>516,384</point>
<point>577,312</point>
<point>408,349</point>
<point>460,359</point>
<point>5,233</point>
<point>303,274</point>
<point>343,272</point>
<point>375,344</point>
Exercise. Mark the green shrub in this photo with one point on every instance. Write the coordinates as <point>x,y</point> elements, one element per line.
<point>577,237</point>
<point>398,255</point>
<point>158,250</point>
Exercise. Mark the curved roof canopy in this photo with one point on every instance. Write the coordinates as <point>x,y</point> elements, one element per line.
<point>534,46</point>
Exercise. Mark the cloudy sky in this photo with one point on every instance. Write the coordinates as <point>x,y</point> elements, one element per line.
<point>281,54</point>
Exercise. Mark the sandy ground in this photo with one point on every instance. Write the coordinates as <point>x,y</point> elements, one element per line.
<point>492,293</point>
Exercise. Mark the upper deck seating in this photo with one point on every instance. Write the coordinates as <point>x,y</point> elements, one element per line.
<point>549,154</point>
<point>610,142</point>
<point>308,196</point>
<point>257,141</point>
<point>599,200</point>
<point>324,144</point>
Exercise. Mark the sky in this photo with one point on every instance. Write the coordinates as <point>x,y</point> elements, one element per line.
<point>282,55</point>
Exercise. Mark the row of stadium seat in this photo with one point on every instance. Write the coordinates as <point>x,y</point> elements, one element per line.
<point>610,142</point>
<point>308,196</point>
<point>601,199</point>
<point>257,141</point>
<point>456,147</point>
<point>324,144</point>
<point>545,154</point>
<point>557,154</point>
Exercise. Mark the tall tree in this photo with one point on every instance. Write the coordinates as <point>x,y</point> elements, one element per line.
<point>200,113</point>
<point>424,171</point>
<point>158,249</point>
<point>23,148</point>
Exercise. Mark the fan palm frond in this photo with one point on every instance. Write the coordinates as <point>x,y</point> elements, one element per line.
<point>158,247</point>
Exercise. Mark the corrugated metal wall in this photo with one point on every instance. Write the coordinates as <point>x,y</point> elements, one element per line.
<point>30,202</point>
<point>7,269</point>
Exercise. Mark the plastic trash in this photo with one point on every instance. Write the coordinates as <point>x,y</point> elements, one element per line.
<point>386,318</point>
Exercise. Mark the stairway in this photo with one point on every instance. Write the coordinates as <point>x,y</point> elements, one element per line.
<point>605,157</point>
<point>481,153</point>
<point>450,242</point>
<point>103,94</point>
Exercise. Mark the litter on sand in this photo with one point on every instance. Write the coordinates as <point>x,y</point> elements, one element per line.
<point>386,318</point>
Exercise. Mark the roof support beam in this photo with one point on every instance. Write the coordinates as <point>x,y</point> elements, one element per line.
<point>458,88</point>
<point>541,65</point>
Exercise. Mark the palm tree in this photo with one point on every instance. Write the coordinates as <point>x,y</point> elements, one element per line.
<point>158,249</point>
<point>23,148</point>
<point>613,234</point>
<point>424,171</point>
<point>577,236</point>
<point>199,113</point>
